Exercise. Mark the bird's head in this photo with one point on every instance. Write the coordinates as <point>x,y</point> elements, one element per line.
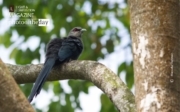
<point>76,32</point>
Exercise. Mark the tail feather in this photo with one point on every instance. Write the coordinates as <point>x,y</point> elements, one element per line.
<point>41,78</point>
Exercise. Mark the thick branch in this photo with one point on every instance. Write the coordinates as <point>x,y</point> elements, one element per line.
<point>92,71</point>
<point>12,99</point>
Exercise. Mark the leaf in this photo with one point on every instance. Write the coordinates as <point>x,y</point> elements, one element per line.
<point>13,53</point>
<point>109,45</point>
<point>5,39</point>
<point>109,107</point>
<point>130,75</point>
<point>122,67</point>
<point>57,89</point>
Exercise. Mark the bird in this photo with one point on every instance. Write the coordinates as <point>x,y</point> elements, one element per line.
<point>59,51</point>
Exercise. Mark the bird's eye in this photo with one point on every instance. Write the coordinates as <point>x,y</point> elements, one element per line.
<point>76,29</point>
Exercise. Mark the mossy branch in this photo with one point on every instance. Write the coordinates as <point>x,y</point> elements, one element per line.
<point>92,71</point>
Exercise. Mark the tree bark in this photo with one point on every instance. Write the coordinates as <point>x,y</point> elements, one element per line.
<point>155,31</point>
<point>11,97</point>
<point>92,71</point>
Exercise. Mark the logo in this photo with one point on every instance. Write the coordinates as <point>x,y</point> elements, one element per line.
<point>11,10</point>
<point>22,15</point>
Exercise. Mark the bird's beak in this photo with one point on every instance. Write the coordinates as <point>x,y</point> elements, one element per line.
<point>82,30</point>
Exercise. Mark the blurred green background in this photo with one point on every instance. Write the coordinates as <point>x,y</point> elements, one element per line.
<point>107,24</point>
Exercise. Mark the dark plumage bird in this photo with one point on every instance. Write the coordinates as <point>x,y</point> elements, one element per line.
<point>59,51</point>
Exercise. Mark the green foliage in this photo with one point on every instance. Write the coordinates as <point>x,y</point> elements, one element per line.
<point>128,69</point>
<point>5,39</point>
<point>65,15</point>
<point>107,104</point>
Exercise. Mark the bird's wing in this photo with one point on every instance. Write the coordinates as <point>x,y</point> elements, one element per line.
<point>66,50</point>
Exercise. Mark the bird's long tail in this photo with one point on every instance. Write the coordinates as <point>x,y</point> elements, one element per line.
<point>41,78</point>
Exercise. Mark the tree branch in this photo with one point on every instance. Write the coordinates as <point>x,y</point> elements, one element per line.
<point>12,99</point>
<point>92,71</point>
